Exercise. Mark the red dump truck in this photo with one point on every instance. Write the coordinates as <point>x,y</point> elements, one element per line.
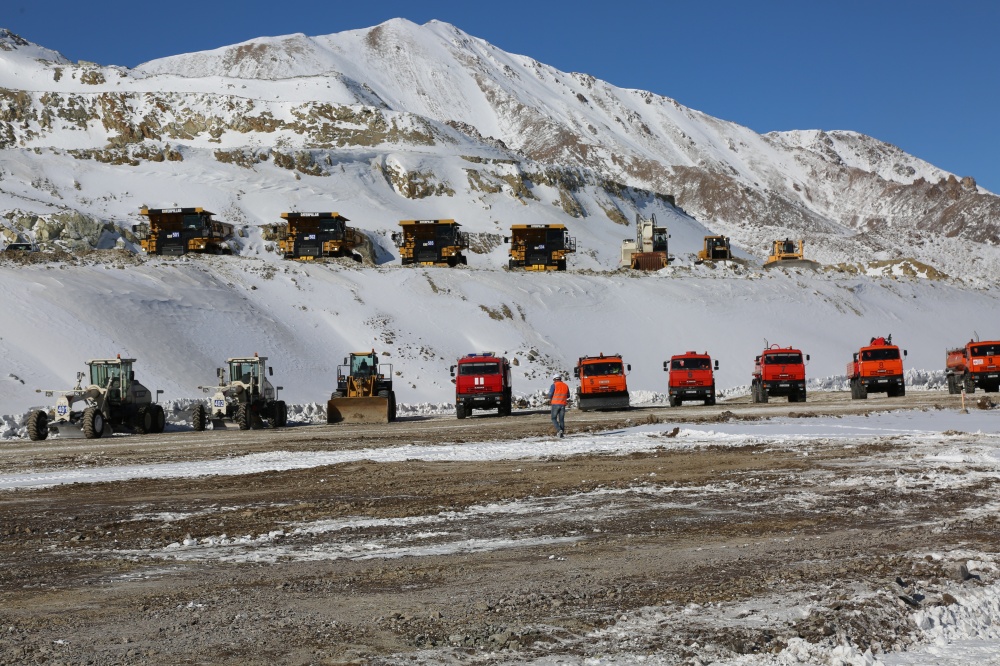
<point>779,371</point>
<point>482,381</point>
<point>691,377</point>
<point>877,368</point>
<point>976,365</point>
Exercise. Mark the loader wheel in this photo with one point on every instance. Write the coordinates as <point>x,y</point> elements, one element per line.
<point>282,414</point>
<point>198,417</point>
<point>93,423</point>
<point>143,421</point>
<point>392,406</point>
<point>243,417</point>
<point>159,419</point>
<point>38,426</point>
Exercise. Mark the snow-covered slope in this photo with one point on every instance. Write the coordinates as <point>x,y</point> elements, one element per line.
<point>402,121</point>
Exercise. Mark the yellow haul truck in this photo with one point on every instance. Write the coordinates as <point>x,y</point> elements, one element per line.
<point>539,247</point>
<point>176,231</point>
<point>431,242</point>
<point>315,235</point>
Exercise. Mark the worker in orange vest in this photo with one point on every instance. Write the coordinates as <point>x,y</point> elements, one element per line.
<point>558,397</point>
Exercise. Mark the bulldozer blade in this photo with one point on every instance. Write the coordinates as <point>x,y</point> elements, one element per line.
<point>357,410</point>
<point>794,263</point>
<point>218,423</point>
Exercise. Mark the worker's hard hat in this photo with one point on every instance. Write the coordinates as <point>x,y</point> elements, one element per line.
<point>556,377</point>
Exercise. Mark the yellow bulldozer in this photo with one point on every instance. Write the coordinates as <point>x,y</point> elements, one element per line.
<point>788,253</point>
<point>716,248</point>
<point>364,391</point>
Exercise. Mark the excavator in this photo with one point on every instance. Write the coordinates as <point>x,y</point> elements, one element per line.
<point>364,391</point>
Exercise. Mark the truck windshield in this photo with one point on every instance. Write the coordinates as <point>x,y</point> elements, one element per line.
<point>882,354</point>
<point>479,369</point>
<point>783,359</point>
<point>192,221</point>
<point>690,364</point>
<point>601,369</point>
<point>986,350</point>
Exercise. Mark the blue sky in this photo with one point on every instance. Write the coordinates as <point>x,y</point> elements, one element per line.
<point>922,75</point>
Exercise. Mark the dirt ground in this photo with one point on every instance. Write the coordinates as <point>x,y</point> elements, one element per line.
<point>98,573</point>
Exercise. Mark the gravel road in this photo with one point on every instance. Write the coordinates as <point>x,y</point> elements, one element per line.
<point>686,554</point>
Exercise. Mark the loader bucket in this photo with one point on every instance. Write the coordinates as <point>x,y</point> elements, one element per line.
<point>357,410</point>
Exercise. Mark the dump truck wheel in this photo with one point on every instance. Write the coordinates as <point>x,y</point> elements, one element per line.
<point>710,402</point>
<point>38,426</point>
<point>802,396</point>
<point>970,386</point>
<point>673,402</point>
<point>198,417</point>
<point>93,423</point>
<point>763,394</point>
<point>901,392</point>
<point>243,417</point>
<point>159,419</point>
<point>460,411</point>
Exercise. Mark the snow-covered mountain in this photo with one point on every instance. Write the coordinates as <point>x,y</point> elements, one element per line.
<point>402,121</point>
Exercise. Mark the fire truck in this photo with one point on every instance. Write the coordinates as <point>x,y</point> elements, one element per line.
<point>482,381</point>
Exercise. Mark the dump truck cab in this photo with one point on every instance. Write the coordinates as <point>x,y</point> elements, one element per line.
<point>431,242</point>
<point>715,248</point>
<point>648,252</point>
<point>602,382</point>
<point>877,368</point>
<point>177,231</point>
<point>539,247</point>
<point>364,391</point>
<point>779,372</point>
<point>691,377</point>
<point>313,236</point>
<point>113,401</point>
<point>482,381</point>
<point>976,365</point>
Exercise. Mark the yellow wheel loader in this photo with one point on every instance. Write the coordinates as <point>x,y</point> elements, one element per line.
<point>364,391</point>
<point>113,402</point>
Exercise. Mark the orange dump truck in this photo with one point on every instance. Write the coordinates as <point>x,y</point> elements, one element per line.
<point>779,371</point>
<point>602,382</point>
<point>691,377</point>
<point>977,364</point>
<point>877,368</point>
<point>482,381</point>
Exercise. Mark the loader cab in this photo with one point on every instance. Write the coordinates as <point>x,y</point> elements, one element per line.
<point>363,365</point>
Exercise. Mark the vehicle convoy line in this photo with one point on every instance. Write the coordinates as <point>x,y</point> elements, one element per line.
<point>184,443</point>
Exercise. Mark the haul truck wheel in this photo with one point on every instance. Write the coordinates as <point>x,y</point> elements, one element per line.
<point>198,417</point>
<point>38,426</point>
<point>93,423</point>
